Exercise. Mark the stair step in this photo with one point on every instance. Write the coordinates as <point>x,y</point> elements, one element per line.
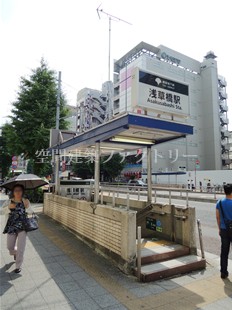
<point>168,268</point>
<point>161,252</point>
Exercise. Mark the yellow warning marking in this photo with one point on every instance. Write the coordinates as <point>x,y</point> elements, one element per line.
<point>151,244</point>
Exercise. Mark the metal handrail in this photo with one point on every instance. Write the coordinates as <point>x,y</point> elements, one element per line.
<point>140,191</point>
<point>205,190</point>
<point>115,190</point>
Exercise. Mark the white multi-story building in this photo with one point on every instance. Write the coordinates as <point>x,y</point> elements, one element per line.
<point>164,83</point>
<point>94,107</point>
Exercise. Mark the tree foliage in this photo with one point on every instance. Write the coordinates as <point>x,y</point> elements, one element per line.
<point>5,156</point>
<point>134,159</point>
<point>34,114</point>
<point>110,167</point>
<point>84,168</point>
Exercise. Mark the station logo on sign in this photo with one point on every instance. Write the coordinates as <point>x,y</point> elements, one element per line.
<point>158,93</point>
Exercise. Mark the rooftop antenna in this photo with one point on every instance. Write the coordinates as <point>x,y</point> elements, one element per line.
<point>114,18</point>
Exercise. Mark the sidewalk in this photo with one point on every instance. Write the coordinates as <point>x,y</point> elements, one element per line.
<point>60,272</point>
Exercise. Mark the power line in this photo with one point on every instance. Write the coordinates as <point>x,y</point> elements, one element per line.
<point>70,86</point>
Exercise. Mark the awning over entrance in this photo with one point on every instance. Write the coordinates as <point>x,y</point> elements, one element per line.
<point>125,133</point>
<point>128,132</point>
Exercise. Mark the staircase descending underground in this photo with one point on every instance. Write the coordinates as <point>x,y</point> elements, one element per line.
<point>162,259</point>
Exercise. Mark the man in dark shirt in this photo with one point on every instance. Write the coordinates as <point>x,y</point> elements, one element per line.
<point>224,204</point>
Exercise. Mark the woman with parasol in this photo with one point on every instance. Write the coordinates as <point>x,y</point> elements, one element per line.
<point>16,210</point>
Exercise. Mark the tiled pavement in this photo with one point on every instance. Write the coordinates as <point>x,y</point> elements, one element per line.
<point>60,272</point>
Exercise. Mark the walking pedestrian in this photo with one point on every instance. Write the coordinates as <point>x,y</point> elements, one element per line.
<point>189,184</point>
<point>16,210</point>
<point>208,186</point>
<point>200,184</point>
<point>224,221</point>
<point>192,187</point>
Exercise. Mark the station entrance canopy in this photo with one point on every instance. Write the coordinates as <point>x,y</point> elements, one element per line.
<point>123,134</point>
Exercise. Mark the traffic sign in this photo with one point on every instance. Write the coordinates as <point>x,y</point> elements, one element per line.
<point>14,167</point>
<point>197,162</point>
<point>14,163</point>
<point>14,158</point>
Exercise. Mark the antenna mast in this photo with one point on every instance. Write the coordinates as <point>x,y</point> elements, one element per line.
<point>114,18</point>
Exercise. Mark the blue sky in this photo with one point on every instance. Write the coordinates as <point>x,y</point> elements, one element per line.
<point>69,35</point>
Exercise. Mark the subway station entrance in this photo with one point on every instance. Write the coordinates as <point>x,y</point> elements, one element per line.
<point>109,222</point>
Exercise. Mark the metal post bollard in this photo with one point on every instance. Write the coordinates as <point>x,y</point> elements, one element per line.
<point>113,199</point>
<point>138,194</point>
<point>101,197</point>
<point>200,238</point>
<point>155,194</point>
<point>187,201</point>
<point>139,254</point>
<point>127,201</point>
<point>170,197</point>
<point>215,197</point>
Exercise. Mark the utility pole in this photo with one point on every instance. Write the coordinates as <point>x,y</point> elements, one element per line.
<point>57,156</point>
<point>58,101</point>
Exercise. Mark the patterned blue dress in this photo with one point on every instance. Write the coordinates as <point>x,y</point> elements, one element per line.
<point>16,220</point>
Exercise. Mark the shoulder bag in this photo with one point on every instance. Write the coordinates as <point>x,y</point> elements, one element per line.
<point>31,223</point>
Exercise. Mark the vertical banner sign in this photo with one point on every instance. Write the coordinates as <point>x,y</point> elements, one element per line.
<point>154,92</point>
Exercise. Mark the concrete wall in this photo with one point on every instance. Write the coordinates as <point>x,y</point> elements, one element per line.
<point>135,204</point>
<point>176,223</point>
<point>159,212</point>
<point>110,231</point>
